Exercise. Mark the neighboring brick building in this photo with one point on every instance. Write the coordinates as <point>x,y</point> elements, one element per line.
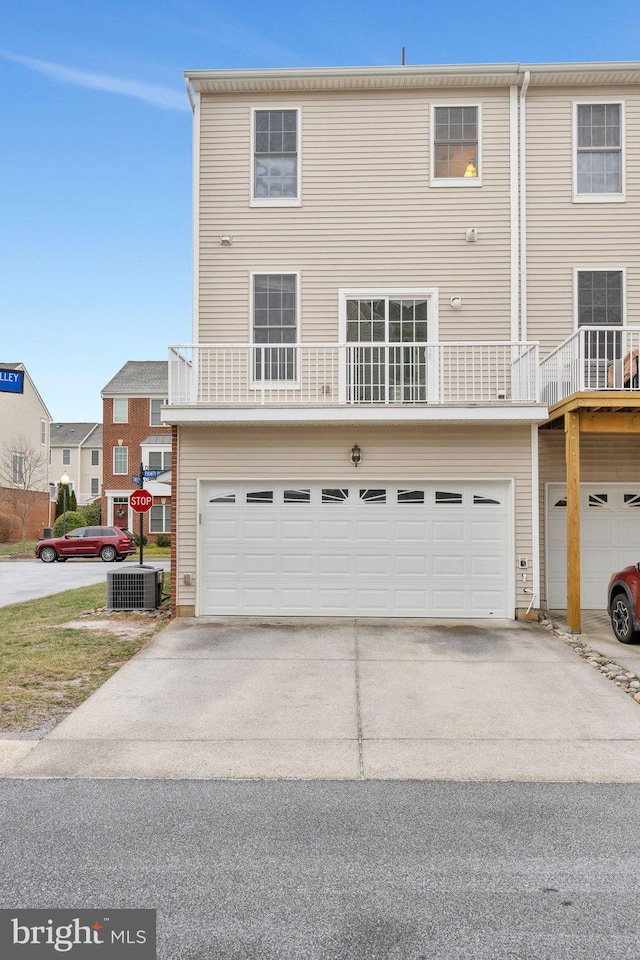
<point>133,433</point>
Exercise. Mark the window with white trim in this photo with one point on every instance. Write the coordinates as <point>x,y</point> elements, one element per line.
<point>95,458</point>
<point>159,460</point>
<point>43,432</point>
<point>95,486</point>
<point>66,457</point>
<point>275,157</point>
<point>18,468</point>
<point>275,322</point>
<point>160,518</point>
<point>455,145</point>
<point>600,306</point>
<point>120,460</point>
<point>120,410</point>
<point>155,411</point>
<point>599,162</point>
<point>396,371</point>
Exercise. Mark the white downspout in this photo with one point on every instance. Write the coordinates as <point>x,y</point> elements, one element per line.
<point>195,287</point>
<point>523,207</point>
<point>513,201</point>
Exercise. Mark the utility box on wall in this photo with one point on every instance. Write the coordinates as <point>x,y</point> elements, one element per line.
<point>136,587</point>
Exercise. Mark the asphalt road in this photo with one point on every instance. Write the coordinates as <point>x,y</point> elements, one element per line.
<point>27,579</point>
<point>336,871</point>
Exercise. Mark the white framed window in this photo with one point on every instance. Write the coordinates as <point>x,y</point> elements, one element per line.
<point>43,432</point>
<point>598,150</point>
<point>120,460</point>
<point>275,156</point>
<point>121,410</point>
<point>456,145</point>
<point>600,310</point>
<point>155,411</point>
<point>160,519</point>
<point>274,325</point>
<point>66,457</point>
<point>18,468</point>
<point>95,458</point>
<point>386,332</point>
<point>95,486</point>
<point>599,297</point>
<point>159,460</point>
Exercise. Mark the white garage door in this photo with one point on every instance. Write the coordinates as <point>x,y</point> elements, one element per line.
<point>609,539</point>
<point>345,549</point>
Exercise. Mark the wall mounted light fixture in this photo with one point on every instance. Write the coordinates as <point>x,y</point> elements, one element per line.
<point>356,454</point>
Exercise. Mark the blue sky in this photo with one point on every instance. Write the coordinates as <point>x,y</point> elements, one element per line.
<point>95,166</point>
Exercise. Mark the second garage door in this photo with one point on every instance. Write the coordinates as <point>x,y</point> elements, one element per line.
<point>342,549</point>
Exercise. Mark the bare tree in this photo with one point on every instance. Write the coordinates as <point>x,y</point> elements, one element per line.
<point>23,474</point>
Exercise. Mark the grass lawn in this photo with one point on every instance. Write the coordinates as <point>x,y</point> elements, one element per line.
<point>49,667</point>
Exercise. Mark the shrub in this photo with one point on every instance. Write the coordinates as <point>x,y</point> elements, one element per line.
<point>92,513</point>
<point>9,532</point>
<point>162,540</point>
<point>74,520</point>
<point>136,537</point>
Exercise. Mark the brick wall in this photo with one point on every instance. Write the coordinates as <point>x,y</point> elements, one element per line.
<point>132,433</point>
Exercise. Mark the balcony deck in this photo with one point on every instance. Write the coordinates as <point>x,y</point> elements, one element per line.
<point>354,382</point>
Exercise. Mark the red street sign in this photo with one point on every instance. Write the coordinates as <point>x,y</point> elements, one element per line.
<point>140,501</point>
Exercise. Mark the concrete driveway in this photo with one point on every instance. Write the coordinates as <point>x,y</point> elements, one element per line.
<point>350,700</point>
<point>22,580</point>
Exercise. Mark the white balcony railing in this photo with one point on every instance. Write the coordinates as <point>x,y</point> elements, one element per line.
<point>363,373</point>
<point>594,358</point>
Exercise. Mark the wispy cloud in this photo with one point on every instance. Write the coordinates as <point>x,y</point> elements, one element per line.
<point>158,96</point>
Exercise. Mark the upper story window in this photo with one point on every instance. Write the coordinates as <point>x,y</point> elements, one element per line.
<point>43,432</point>
<point>159,460</point>
<point>599,173</point>
<point>95,486</point>
<point>455,146</point>
<point>120,410</point>
<point>66,457</point>
<point>155,411</point>
<point>120,460</point>
<point>600,298</point>
<point>275,322</point>
<point>276,166</point>
<point>95,458</point>
<point>18,469</point>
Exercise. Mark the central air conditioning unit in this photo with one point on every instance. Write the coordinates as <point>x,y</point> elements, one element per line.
<point>136,587</point>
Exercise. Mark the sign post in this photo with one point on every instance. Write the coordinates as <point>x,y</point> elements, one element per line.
<point>141,501</point>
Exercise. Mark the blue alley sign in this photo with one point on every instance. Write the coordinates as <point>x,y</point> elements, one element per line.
<point>11,381</point>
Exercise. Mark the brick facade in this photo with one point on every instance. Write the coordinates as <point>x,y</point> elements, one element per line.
<point>132,434</point>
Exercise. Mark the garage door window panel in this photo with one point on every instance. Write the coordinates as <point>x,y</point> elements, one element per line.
<point>297,496</point>
<point>260,496</point>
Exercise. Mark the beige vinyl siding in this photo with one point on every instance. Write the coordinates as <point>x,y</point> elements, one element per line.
<point>603,459</point>
<point>300,452</point>
<point>20,418</point>
<point>368,215</point>
<point>563,235</point>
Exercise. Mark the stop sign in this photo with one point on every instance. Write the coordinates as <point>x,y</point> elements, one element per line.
<point>140,501</point>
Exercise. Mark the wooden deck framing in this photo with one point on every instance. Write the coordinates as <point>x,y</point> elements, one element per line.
<point>614,411</point>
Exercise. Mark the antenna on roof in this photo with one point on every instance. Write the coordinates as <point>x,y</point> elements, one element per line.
<point>403,49</point>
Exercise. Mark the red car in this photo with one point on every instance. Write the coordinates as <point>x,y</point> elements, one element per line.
<point>110,543</point>
<point>624,604</point>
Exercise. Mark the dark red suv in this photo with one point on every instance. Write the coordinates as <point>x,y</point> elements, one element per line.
<point>624,604</point>
<point>110,543</point>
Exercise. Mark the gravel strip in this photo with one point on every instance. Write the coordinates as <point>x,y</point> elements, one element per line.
<point>628,682</point>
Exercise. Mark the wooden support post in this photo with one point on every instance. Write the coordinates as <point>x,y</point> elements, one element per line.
<point>572,453</point>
